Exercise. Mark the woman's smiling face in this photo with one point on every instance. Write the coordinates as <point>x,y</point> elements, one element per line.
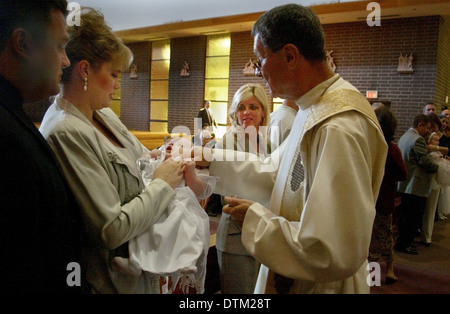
<point>250,112</point>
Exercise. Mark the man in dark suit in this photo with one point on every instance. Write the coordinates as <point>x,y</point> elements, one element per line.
<point>206,115</point>
<point>40,223</point>
<point>415,189</point>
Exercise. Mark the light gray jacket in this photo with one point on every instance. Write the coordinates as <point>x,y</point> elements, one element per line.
<point>418,162</point>
<point>108,186</point>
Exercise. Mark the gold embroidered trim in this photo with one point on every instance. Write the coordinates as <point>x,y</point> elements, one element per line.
<point>338,101</point>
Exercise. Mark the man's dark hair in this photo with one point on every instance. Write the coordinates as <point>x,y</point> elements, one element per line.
<point>32,15</point>
<point>292,24</point>
<point>421,119</point>
<point>435,120</point>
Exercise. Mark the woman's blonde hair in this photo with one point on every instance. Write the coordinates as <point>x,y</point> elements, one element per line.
<point>247,91</point>
<point>95,42</point>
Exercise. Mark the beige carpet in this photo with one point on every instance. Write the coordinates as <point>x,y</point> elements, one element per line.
<point>426,273</point>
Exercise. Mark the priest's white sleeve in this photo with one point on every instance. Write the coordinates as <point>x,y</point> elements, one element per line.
<point>245,175</point>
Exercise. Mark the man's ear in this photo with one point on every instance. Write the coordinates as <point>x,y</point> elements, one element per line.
<point>291,54</point>
<point>21,43</point>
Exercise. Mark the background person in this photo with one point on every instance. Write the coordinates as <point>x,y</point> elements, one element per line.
<point>40,224</point>
<point>382,242</point>
<point>416,188</point>
<point>248,112</point>
<point>445,112</point>
<point>436,127</point>
<point>281,122</point>
<point>430,107</point>
<point>206,115</point>
<point>98,156</point>
<point>426,228</point>
<point>444,198</point>
<point>438,180</point>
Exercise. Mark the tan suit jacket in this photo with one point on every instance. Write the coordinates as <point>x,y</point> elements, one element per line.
<point>107,184</point>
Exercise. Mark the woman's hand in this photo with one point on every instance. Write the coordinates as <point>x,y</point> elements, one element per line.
<point>171,171</point>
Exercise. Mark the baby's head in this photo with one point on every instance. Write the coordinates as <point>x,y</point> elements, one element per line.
<point>433,139</point>
<point>180,147</point>
<point>205,137</point>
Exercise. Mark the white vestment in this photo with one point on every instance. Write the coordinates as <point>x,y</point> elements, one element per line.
<point>283,119</point>
<point>317,230</point>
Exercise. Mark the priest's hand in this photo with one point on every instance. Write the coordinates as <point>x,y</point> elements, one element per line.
<point>237,208</point>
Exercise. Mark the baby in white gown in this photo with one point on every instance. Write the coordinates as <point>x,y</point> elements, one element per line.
<point>176,246</point>
<point>442,177</point>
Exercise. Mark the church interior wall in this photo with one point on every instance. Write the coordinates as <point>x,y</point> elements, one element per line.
<point>365,56</point>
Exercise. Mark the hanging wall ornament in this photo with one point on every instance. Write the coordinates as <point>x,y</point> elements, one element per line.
<point>185,69</point>
<point>249,68</point>
<point>133,72</point>
<point>330,61</point>
<point>405,63</point>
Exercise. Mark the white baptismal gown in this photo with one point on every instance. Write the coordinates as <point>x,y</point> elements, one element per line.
<point>177,244</point>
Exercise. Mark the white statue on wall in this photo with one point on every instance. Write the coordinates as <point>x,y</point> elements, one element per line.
<point>330,60</point>
<point>185,69</point>
<point>133,71</point>
<point>249,68</point>
<point>405,63</point>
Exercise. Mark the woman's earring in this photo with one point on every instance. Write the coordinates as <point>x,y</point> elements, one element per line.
<point>85,84</point>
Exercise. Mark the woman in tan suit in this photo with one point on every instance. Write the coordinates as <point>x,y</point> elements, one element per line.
<point>98,157</point>
<point>249,115</point>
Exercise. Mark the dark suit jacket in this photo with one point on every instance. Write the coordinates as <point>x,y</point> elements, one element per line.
<point>206,119</point>
<point>418,163</point>
<point>40,223</point>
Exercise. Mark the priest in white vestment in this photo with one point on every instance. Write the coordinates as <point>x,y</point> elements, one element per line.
<point>314,236</point>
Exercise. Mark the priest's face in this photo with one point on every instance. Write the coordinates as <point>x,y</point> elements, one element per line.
<point>271,66</point>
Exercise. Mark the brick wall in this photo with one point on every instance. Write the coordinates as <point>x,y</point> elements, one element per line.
<point>186,93</point>
<point>240,53</point>
<point>368,58</point>
<point>135,93</point>
<point>443,64</point>
<point>365,56</point>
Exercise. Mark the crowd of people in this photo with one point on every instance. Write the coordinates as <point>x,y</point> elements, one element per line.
<point>89,201</point>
